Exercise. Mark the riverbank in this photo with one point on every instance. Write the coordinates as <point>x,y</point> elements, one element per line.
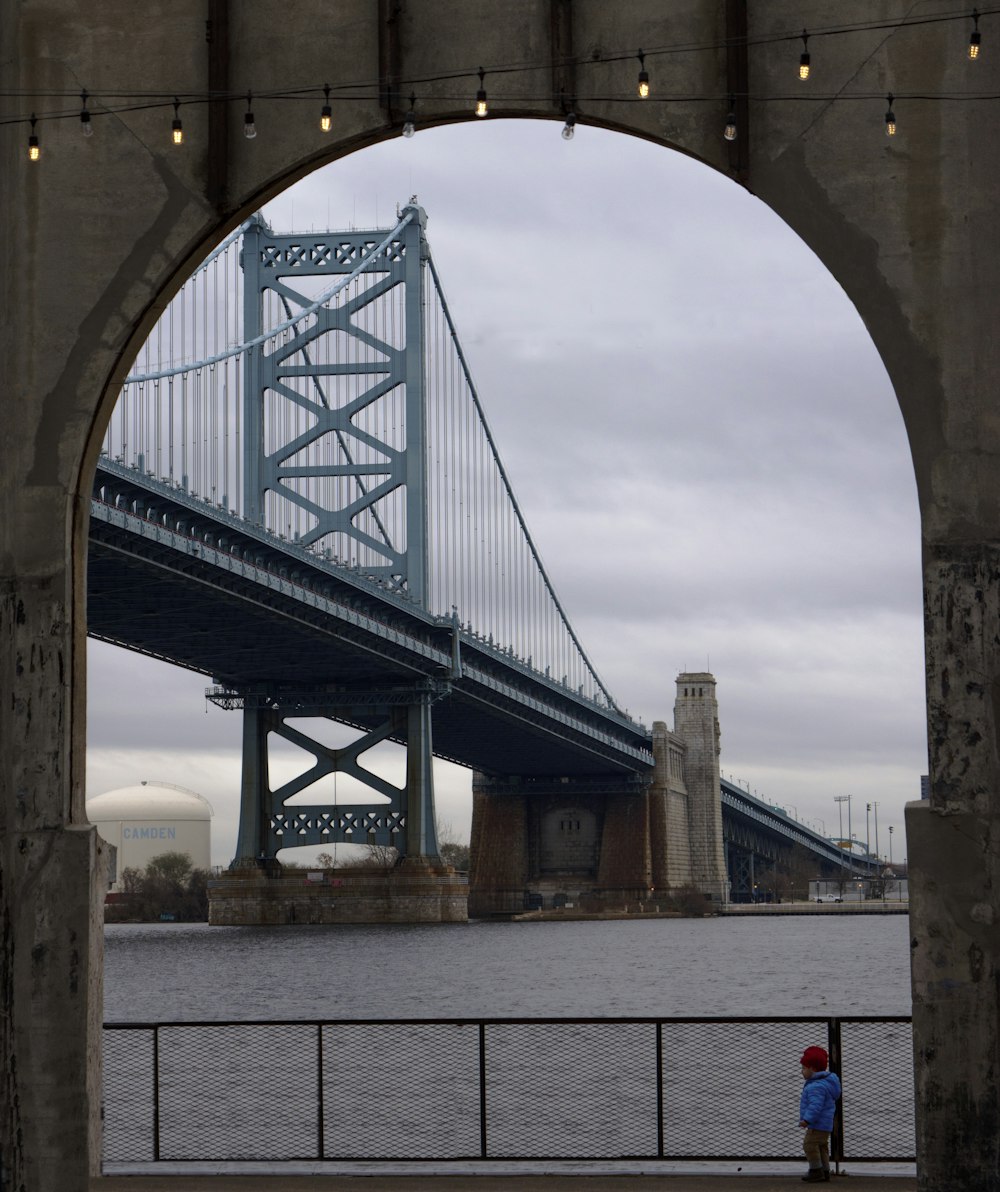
<point>873,907</point>
<point>645,910</point>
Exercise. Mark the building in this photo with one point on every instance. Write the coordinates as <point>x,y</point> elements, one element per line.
<point>144,821</point>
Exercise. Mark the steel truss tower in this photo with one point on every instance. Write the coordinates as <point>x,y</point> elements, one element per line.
<point>335,435</point>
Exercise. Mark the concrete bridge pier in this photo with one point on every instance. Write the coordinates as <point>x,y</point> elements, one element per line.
<point>539,843</point>
<point>953,842</point>
<point>611,841</point>
<point>53,874</point>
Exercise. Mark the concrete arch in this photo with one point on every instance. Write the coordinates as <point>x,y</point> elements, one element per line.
<point>100,231</point>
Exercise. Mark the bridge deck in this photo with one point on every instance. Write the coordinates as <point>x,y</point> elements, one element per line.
<point>173,578</point>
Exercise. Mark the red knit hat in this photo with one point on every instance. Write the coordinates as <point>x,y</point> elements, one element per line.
<point>815,1058</point>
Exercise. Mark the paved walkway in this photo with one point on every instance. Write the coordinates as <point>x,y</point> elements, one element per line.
<point>493,1183</point>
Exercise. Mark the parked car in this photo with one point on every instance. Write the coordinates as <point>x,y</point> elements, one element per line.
<point>829,898</point>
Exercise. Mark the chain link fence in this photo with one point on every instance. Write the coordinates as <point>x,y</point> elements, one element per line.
<point>502,1089</point>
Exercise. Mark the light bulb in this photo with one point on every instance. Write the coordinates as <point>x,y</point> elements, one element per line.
<point>176,127</point>
<point>729,132</point>
<point>890,120</point>
<point>481,108</point>
<point>326,115</point>
<point>804,60</point>
<point>410,123</point>
<point>569,128</point>
<point>85,126</point>
<point>249,128</point>
<point>34,149</point>
<point>642,85</point>
<point>974,38</point>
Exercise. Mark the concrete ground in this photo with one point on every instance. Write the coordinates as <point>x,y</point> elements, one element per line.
<point>492,1183</point>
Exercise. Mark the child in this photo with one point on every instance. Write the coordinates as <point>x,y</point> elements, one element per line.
<point>820,1094</point>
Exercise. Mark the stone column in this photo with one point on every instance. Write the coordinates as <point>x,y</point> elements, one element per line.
<point>624,869</point>
<point>659,803</point>
<point>52,868</point>
<point>953,843</point>
<point>696,722</point>
<point>498,865</point>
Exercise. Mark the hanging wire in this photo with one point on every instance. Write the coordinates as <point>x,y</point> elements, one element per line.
<point>118,102</point>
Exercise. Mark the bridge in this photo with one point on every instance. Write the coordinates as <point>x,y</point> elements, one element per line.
<point>300,497</point>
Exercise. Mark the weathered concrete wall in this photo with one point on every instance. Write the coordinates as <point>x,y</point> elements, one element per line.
<point>100,231</point>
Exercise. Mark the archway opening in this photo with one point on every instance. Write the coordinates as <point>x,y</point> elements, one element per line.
<point>701,433</point>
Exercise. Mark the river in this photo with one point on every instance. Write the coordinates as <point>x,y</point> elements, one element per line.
<point>796,964</point>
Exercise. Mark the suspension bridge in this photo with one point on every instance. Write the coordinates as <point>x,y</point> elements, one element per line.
<point>299,496</point>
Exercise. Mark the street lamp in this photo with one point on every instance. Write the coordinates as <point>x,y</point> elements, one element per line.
<point>890,846</point>
<point>840,800</point>
<point>875,805</point>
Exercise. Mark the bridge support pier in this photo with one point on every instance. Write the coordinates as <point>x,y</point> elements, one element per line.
<point>539,843</point>
<point>53,878</point>
<point>953,853</point>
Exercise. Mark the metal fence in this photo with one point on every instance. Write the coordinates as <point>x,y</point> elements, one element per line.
<point>498,1089</point>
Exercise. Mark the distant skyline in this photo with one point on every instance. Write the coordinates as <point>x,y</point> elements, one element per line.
<point>703,440</point>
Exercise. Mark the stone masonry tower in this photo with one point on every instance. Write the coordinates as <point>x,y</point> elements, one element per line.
<point>696,721</point>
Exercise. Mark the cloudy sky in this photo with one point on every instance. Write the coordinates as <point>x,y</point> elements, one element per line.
<point>703,440</point>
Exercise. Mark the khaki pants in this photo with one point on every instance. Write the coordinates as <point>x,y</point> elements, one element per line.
<point>816,1145</point>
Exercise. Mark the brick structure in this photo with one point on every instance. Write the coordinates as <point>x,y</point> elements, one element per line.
<point>415,892</point>
<point>607,843</point>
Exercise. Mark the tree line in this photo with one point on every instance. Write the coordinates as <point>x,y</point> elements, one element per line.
<point>168,889</point>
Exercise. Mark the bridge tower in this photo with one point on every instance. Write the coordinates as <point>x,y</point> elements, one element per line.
<point>335,427</point>
<point>696,722</point>
<point>607,842</point>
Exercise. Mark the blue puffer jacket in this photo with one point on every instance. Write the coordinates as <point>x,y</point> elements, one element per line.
<point>820,1094</point>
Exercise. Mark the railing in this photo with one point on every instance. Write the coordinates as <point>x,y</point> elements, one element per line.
<point>532,1089</point>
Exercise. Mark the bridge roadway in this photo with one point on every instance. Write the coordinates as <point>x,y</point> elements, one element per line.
<point>177,578</point>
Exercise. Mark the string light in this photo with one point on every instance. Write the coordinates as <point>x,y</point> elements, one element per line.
<point>890,118</point>
<point>249,127</point>
<point>85,125</point>
<point>128,101</point>
<point>34,149</point>
<point>410,123</point>
<point>642,86</point>
<point>729,132</point>
<point>569,128</point>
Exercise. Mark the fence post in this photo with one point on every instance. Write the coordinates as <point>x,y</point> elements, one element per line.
<point>659,1090</point>
<point>834,1048</point>
<point>156,1094</point>
<point>320,1112</point>
<point>482,1090</point>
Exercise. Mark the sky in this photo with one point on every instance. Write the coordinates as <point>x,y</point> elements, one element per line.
<point>704,443</point>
